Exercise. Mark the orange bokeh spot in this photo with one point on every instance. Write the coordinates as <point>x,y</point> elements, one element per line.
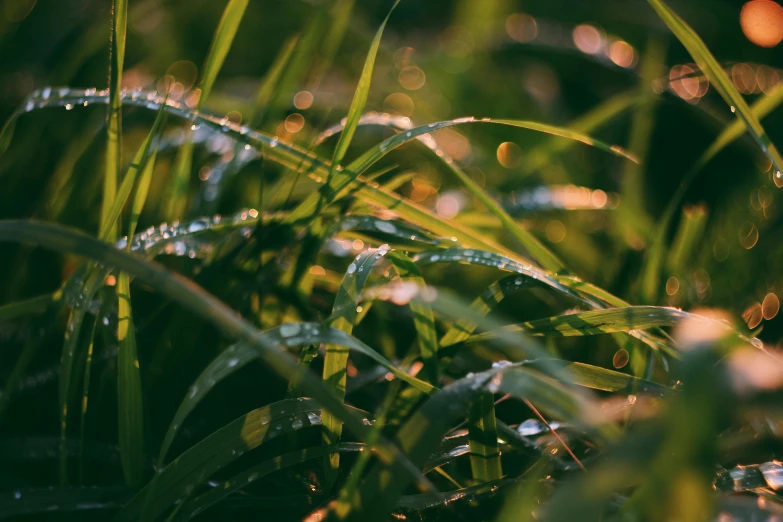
<point>762,22</point>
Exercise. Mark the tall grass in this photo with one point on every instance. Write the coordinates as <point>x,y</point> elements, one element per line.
<point>381,323</point>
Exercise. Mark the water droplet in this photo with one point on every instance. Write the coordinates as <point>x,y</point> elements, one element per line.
<point>297,424</point>
<point>68,106</point>
<point>385,226</point>
<point>290,329</point>
<point>351,268</point>
<point>17,495</point>
<point>233,362</point>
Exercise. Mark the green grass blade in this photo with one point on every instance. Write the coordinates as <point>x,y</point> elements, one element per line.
<point>610,320</point>
<point>121,197</point>
<point>198,301</point>
<point>289,335</point>
<point>130,405</point>
<point>142,189</point>
<point>344,317</point>
<point>482,305</point>
<point>84,296</point>
<point>736,129</point>
<point>219,449</point>
<point>341,181</point>
<point>418,438</point>
<point>484,450</point>
<point>113,160</point>
<point>254,473</point>
<point>359,99</point>
<point>722,83</point>
<point>690,231</point>
<point>221,43</point>
<point>270,82</point>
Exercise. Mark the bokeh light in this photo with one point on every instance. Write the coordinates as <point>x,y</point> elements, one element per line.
<point>762,22</point>
<point>509,155</point>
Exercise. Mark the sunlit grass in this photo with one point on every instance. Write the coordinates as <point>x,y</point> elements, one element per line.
<point>331,294</point>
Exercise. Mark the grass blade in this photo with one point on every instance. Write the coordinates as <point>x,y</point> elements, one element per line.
<point>219,449</point>
<point>129,395</point>
<point>722,83</point>
<point>610,320</point>
<point>114,115</point>
<point>139,162</point>
<point>193,298</point>
<point>359,99</point>
<point>484,450</point>
<point>289,335</point>
<point>221,43</point>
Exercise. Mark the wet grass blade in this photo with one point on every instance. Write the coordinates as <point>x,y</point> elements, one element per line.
<point>484,450</point>
<point>201,303</point>
<point>610,320</point>
<point>340,182</point>
<point>344,317</point>
<point>250,475</point>
<point>722,83</point>
<point>219,449</point>
<point>113,162</point>
<point>289,335</point>
<point>736,129</point>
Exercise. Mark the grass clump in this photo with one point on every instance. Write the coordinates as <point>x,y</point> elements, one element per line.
<point>327,294</point>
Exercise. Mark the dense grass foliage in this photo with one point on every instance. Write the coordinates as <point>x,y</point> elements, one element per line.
<point>338,260</point>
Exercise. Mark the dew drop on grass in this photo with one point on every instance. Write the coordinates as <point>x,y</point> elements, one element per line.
<point>297,424</point>
<point>385,226</point>
<point>17,495</point>
<point>233,362</point>
<point>351,268</point>
<point>290,329</point>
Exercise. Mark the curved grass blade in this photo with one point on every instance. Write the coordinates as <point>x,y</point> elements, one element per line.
<point>424,430</point>
<point>287,155</point>
<point>235,483</point>
<point>717,76</point>
<point>203,304</point>
<point>342,179</point>
<point>344,317</point>
<point>221,43</point>
<point>113,160</point>
<point>289,335</point>
<point>609,320</point>
<point>219,449</point>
